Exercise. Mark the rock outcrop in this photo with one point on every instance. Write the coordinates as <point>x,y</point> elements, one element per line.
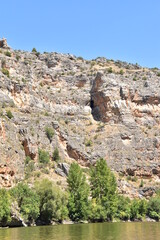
<point>3,43</point>
<point>97,108</point>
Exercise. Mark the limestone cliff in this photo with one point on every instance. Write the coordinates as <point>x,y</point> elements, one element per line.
<point>98,108</point>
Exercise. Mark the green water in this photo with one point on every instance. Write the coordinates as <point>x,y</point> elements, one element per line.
<point>97,231</point>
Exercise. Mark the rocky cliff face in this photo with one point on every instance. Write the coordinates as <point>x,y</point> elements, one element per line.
<point>99,108</point>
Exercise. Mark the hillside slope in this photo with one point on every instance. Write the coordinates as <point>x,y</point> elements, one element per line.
<point>99,108</point>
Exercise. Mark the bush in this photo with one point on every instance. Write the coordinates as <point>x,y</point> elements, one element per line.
<point>154,208</point>
<point>138,209</point>
<point>88,143</point>
<point>43,156</point>
<point>121,72</point>
<point>3,63</point>
<point>123,208</point>
<point>9,114</point>
<point>158,74</point>
<point>17,57</point>
<point>5,72</point>
<point>49,132</point>
<point>27,160</point>
<point>29,169</point>
<point>55,155</point>
<point>8,54</point>
<point>110,70</point>
<point>142,183</point>
<point>37,54</point>
<point>34,50</point>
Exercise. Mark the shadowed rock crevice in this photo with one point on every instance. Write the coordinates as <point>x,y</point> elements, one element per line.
<point>28,151</point>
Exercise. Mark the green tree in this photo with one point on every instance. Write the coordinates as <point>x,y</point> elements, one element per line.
<point>103,188</point>
<point>78,204</point>
<point>27,200</point>
<point>53,202</point>
<point>5,207</point>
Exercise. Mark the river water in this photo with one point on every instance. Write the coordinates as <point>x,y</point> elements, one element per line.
<point>95,231</point>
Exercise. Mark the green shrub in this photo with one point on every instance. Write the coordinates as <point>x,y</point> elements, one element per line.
<point>55,155</point>
<point>49,132</point>
<point>29,168</point>
<point>5,72</point>
<point>45,171</point>
<point>9,114</point>
<point>138,209</point>
<point>121,72</point>
<point>17,57</point>
<point>123,208</point>
<point>93,63</point>
<point>12,104</point>
<point>88,143</point>
<point>110,70</point>
<point>158,74</point>
<point>3,63</point>
<point>128,178</point>
<point>34,50</point>
<point>27,160</point>
<point>43,156</point>
<point>142,183</point>
<point>24,80</point>
<point>8,54</point>
<point>134,179</point>
<point>80,58</point>
<point>37,54</point>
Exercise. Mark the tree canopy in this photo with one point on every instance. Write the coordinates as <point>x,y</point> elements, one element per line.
<point>78,203</point>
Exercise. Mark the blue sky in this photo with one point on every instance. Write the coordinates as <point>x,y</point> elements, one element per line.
<point>127,30</point>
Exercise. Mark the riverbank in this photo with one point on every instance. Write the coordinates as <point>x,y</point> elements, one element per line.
<point>21,223</point>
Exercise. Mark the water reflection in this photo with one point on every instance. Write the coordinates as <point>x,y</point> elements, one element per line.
<point>97,231</point>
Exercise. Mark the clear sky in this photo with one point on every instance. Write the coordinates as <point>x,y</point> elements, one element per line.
<point>127,30</point>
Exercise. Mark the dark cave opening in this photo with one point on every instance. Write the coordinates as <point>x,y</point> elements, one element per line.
<point>92,104</point>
